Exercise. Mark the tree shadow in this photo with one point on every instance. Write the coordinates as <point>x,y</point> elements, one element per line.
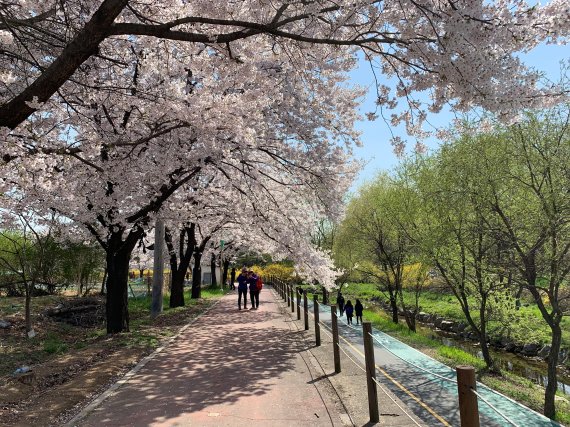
<point>224,356</point>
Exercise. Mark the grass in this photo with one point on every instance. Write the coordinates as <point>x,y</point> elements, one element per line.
<point>524,326</point>
<point>53,344</point>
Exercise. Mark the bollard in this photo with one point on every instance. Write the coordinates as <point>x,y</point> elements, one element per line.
<point>306,310</point>
<point>317,326</point>
<point>468,409</point>
<point>298,303</point>
<point>292,300</point>
<point>336,349</point>
<point>370,372</point>
<point>288,296</point>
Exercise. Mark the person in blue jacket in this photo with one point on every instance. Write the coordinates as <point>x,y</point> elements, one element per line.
<point>358,309</point>
<point>242,288</point>
<point>349,310</point>
<point>253,291</point>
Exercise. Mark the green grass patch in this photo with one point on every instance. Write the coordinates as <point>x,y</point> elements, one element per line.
<point>54,345</point>
<point>455,356</point>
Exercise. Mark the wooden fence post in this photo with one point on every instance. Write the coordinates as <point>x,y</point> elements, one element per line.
<point>298,303</point>
<point>370,372</point>
<point>317,325</point>
<point>306,310</point>
<point>336,349</point>
<point>468,409</point>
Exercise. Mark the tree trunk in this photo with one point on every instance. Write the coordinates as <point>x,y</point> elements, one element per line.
<point>394,307</point>
<point>28,316</point>
<point>410,320</point>
<point>518,297</point>
<point>196,276</point>
<point>325,296</point>
<point>141,272</point>
<point>118,256</point>
<point>213,269</point>
<point>551,387</point>
<point>177,289</point>
<point>179,270</point>
<point>104,282</point>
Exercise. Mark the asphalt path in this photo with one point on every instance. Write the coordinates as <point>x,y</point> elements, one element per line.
<point>427,386</point>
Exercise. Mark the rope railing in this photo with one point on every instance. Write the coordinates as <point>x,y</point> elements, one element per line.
<point>451,380</point>
<point>511,422</point>
<point>465,381</point>
<point>364,370</point>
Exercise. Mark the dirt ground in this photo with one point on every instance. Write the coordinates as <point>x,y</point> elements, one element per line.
<point>70,365</point>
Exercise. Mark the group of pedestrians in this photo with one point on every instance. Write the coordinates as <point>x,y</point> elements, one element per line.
<point>247,279</point>
<point>349,309</point>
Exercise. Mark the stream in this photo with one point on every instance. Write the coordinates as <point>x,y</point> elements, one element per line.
<point>533,369</point>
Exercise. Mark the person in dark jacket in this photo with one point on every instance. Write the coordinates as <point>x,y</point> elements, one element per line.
<point>349,310</point>
<point>242,288</point>
<point>340,302</point>
<point>253,291</point>
<point>358,308</point>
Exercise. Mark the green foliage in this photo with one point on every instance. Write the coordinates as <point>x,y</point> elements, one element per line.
<point>47,262</point>
<point>54,345</point>
<point>455,356</point>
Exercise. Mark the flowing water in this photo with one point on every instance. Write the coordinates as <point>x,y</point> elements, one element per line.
<point>531,368</point>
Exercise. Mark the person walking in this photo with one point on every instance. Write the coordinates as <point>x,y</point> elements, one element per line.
<point>358,309</point>
<point>242,288</point>
<point>253,291</point>
<point>349,310</point>
<point>233,279</point>
<point>340,302</point>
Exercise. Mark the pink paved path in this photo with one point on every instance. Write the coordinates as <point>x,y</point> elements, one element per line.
<point>229,368</point>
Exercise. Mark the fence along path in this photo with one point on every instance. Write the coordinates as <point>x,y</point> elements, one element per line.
<point>427,386</point>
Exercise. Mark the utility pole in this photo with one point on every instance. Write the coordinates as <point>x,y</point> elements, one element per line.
<point>157,274</point>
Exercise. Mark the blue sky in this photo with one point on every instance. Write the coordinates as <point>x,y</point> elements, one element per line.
<point>377,151</point>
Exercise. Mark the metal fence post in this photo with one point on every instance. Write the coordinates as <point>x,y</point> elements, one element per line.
<point>317,326</point>
<point>288,295</point>
<point>370,372</point>
<point>336,349</point>
<point>468,409</point>
<point>306,310</point>
<point>292,299</point>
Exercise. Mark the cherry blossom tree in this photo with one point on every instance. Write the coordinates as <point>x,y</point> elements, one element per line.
<point>461,51</point>
<point>109,108</point>
<point>123,150</point>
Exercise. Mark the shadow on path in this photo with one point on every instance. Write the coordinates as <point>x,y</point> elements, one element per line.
<point>224,356</point>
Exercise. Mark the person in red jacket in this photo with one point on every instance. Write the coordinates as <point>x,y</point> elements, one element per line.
<point>253,291</point>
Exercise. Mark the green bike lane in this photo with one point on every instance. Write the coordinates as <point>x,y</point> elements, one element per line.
<point>427,386</point>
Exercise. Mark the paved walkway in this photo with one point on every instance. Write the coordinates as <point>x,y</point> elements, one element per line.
<point>228,368</point>
<point>244,368</point>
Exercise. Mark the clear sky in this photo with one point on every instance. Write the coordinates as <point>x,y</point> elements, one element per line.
<point>377,151</point>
